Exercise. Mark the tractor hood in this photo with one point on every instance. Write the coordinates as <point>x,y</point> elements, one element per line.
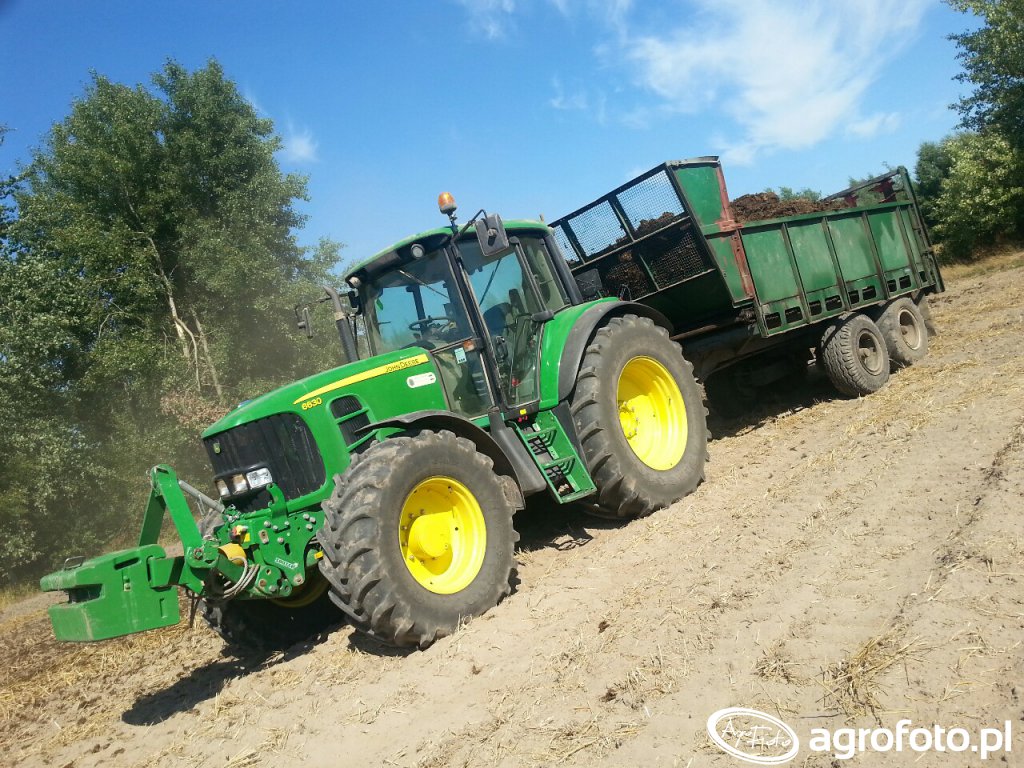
<point>310,392</point>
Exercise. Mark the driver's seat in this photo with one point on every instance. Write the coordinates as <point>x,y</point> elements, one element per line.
<point>497,318</point>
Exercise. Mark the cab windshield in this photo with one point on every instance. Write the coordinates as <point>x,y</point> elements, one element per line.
<point>416,305</point>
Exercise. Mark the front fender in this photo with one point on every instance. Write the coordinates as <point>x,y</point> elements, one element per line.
<point>514,466</point>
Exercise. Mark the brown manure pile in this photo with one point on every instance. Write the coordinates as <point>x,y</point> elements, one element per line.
<point>768,205</point>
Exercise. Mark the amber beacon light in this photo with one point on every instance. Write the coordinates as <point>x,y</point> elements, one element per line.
<point>446,203</point>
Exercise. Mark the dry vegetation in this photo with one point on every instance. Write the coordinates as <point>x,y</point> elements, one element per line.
<point>848,562</point>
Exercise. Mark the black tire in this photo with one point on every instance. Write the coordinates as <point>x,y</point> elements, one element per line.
<point>628,487</point>
<point>854,355</point>
<point>363,556</point>
<point>926,312</point>
<point>905,332</point>
<point>264,626</point>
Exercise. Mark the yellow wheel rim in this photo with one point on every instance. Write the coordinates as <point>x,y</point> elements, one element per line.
<point>442,535</point>
<point>305,595</point>
<point>652,413</point>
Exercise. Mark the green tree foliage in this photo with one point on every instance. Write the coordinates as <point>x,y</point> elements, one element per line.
<point>7,186</point>
<point>971,184</point>
<point>993,61</point>
<point>980,199</point>
<point>932,167</point>
<point>148,281</point>
<point>788,193</point>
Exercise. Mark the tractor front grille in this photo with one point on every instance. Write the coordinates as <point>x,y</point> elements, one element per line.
<point>282,443</point>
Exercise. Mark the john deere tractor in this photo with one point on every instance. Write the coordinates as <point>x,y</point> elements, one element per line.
<point>475,376</point>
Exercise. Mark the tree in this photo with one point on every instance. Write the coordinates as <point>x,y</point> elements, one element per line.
<point>148,280</point>
<point>981,200</point>
<point>933,166</point>
<point>7,187</point>
<point>788,193</point>
<point>993,61</point>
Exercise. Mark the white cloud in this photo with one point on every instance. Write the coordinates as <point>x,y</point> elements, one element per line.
<point>577,100</point>
<point>788,74</point>
<point>875,125</point>
<point>490,18</point>
<point>250,97</point>
<point>300,146</point>
<point>613,12</point>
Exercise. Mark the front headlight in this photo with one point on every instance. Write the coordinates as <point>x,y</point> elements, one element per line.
<point>239,484</point>
<point>259,478</point>
<point>222,489</point>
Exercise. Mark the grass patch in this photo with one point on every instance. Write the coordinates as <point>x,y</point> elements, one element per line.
<point>16,593</point>
<point>994,262</point>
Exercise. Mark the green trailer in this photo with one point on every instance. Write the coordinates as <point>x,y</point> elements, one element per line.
<point>751,302</point>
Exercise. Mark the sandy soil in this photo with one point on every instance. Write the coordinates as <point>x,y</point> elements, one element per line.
<point>848,562</point>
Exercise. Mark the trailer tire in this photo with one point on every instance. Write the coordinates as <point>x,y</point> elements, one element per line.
<point>268,625</point>
<point>418,537</point>
<point>854,356</point>
<point>640,418</point>
<point>905,331</point>
<point>926,313</point>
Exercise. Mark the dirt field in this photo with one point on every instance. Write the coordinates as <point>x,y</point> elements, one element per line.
<point>848,562</point>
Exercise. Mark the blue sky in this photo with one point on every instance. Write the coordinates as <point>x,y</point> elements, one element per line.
<point>520,106</point>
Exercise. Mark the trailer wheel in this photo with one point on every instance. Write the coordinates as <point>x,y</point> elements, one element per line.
<point>906,335</point>
<point>854,355</point>
<point>640,417</point>
<point>418,537</point>
<point>264,626</point>
<point>926,312</point>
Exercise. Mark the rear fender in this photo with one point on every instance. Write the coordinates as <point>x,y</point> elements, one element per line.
<point>585,328</point>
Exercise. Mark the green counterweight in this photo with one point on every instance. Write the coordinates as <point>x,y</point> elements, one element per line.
<point>135,589</point>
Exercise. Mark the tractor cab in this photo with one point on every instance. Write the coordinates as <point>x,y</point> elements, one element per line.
<point>477,301</point>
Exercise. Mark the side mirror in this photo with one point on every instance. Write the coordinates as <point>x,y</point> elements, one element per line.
<point>590,284</point>
<point>303,322</point>
<point>491,234</point>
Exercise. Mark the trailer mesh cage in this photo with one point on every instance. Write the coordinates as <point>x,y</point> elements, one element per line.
<point>639,237</point>
<point>282,443</point>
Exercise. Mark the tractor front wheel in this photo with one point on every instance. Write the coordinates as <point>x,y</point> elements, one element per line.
<point>418,537</point>
<point>267,625</point>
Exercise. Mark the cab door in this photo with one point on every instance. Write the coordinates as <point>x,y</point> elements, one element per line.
<point>517,293</point>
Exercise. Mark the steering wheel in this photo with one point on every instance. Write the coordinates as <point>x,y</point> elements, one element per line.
<point>437,323</point>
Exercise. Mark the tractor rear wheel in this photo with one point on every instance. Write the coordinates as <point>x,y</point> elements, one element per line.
<point>903,327</point>
<point>418,537</point>
<point>640,418</point>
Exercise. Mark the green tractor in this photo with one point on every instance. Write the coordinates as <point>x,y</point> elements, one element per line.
<point>475,376</point>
